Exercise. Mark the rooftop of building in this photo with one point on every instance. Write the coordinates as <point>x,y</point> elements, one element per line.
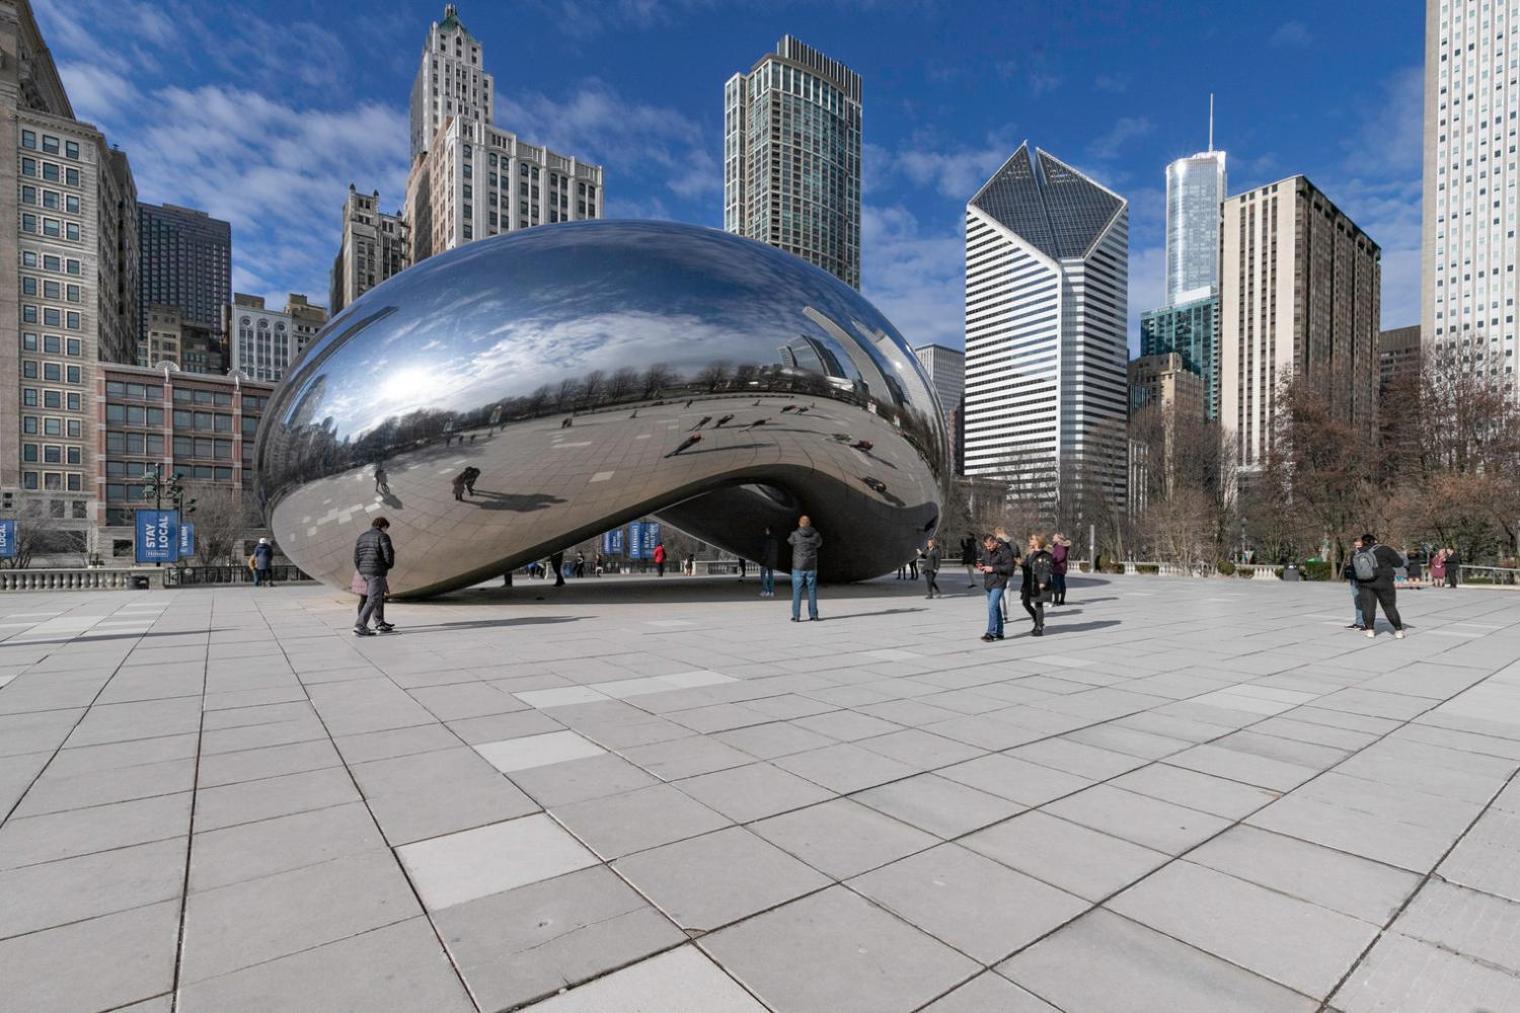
<point>1048,204</point>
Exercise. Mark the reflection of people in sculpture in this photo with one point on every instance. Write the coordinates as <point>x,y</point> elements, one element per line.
<point>465,481</point>
<point>382,485</point>
<point>757,423</point>
<point>789,408</point>
<point>705,420</point>
<point>565,424</point>
<point>686,444</point>
<point>863,445</point>
<point>723,421</point>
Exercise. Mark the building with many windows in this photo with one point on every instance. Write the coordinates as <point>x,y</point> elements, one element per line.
<point>1299,294</point>
<point>199,427</point>
<point>947,375</point>
<point>374,247</point>
<point>1191,330</point>
<point>1166,382</point>
<point>264,342</point>
<point>1469,250</point>
<point>452,82</point>
<point>1047,286</point>
<point>1398,350</point>
<point>791,157</point>
<point>68,286</point>
<point>1195,189</point>
<point>185,261</point>
<point>478,181</point>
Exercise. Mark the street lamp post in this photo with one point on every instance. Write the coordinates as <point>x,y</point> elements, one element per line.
<point>156,486</point>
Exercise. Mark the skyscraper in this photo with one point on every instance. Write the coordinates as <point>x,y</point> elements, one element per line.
<point>791,157</point>
<point>1469,251</point>
<point>468,179</point>
<point>375,245</point>
<point>452,81</point>
<point>185,261</point>
<point>68,287</point>
<point>1191,330</point>
<point>1047,290</point>
<point>264,342</point>
<point>947,375</point>
<point>1299,296</point>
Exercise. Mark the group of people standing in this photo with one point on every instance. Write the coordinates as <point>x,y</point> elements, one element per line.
<point>1042,570</point>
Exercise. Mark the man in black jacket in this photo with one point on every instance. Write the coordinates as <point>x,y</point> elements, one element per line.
<point>374,557</point>
<point>996,567</point>
<point>1379,590</point>
<point>1039,569</point>
<point>770,552</point>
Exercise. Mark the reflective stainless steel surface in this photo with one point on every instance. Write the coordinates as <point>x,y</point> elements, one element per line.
<point>574,365</point>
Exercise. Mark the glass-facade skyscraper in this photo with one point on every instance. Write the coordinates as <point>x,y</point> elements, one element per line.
<point>791,157</point>
<point>1195,188</point>
<point>1191,330</point>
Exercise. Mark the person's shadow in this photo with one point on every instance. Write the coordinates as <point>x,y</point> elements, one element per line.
<point>518,502</point>
<point>390,499</point>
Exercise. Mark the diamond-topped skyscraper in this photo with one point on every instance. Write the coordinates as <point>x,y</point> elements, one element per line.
<point>1047,292</point>
<point>791,157</point>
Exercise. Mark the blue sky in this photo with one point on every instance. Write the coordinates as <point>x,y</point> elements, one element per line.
<point>263,112</point>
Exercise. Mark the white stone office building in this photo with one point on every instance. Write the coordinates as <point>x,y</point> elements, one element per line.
<point>468,179</point>
<point>264,342</point>
<point>791,157</point>
<point>1469,248</point>
<point>1047,289</point>
<point>452,82</point>
<point>68,288</point>
<point>374,247</point>
<point>1299,291</point>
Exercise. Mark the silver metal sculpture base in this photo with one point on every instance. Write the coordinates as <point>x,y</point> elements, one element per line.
<point>591,374</point>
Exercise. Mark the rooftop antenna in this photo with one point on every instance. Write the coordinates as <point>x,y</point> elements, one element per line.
<point>1211,121</point>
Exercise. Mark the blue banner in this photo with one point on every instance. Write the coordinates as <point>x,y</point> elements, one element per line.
<point>642,538</point>
<point>157,536</point>
<point>612,542</point>
<point>186,540</point>
<point>7,539</point>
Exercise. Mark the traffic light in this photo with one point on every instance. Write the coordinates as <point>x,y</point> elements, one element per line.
<point>190,507</point>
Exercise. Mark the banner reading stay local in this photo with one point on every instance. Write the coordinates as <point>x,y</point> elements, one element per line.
<point>157,536</point>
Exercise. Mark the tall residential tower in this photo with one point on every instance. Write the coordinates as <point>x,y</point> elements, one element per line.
<point>791,157</point>
<point>452,81</point>
<point>1299,286</point>
<point>1469,251</point>
<point>1047,291</point>
<point>186,262</point>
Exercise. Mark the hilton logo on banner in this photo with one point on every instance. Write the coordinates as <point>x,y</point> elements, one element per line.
<point>157,536</point>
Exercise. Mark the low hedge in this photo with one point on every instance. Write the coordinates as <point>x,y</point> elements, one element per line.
<point>1315,569</point>
<point>1226,569</point>
<point>1151,568</point>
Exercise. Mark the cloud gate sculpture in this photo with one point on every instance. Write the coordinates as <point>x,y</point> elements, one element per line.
<point>526,392</point>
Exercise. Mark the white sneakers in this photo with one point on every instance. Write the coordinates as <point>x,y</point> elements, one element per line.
<point>1371,634</point>
<point>1398,634</point>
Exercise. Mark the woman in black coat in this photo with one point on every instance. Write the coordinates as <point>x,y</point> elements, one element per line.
<point>928,564</point>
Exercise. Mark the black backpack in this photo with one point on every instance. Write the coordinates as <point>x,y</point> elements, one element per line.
<point>1042,566</point>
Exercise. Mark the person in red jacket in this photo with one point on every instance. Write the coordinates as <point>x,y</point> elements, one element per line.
<point>659,559</point>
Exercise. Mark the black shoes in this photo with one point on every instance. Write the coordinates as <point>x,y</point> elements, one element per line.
<point>1038,631</point>
<point>988,637</point>
<point>385,627</point>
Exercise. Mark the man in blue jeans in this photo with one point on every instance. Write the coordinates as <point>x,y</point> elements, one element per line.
<point>1356,589</point>
<point>805,543</point>
<point>996,566</point>
<point>770,552</point>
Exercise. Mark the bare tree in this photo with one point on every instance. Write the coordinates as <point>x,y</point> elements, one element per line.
<point>222,521</point>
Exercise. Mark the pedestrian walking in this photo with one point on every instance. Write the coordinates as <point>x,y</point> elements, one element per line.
<point>382,481</point>
<point>996,567</point>
<point>968,559</point>
<point>1453,566</point>
<point>659,559</point>
<point>1001,534</point>
<point>805,543</point>
<point>1374,564</point>
<point>374,558</point>
<point>263,564</point>
<point>458,486</point>
<point>1039,573</point>
<point>1349,573</point>
<point>770,551</point>
<point>1060,551</point>
<point>557,563</point>
<point>929,567</point>
<point>1438,568</point>
<point>743,569</point>
<point>580,563</point>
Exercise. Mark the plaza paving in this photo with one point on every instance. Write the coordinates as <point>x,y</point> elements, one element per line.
<point>1189,796</point>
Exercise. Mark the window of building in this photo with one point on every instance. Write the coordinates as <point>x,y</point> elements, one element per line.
<point>29,139</point>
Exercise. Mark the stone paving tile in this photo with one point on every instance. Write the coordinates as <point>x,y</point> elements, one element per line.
<point>251,850</point>
<point>1079,860</point>
<point>52,793</point>
<point>990,993</point>
<point>1488,858</point>
<point>984,909</point>
<point>251,801</point>
<point>638,820</point>
<point>532,941</point>
<point>942,807</point>
<point>1019,781</point>
<point>476,863</point>
<point>843,838</point>
<point>1302,946</point>
<point>32,840</point>
<point>1476,925</point>
<point>710,881</point>
<point>844,768</point>
<point>75,889</point>
<point>560,784</point>
<point>396,968</point>
<point>1405,974</point>
<point>681,981</point>
<point>1158,825</point>
<point>131,955</point>
<point>834,951</point>
<point>1102,963</point>
<point>753,792</point>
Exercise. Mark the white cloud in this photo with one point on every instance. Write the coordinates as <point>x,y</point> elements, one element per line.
<point>1391,139</point>
<point>630,138</point>
<point>915,277</point>
<point>1291,33</point>
<point>1113,84</point>
<point>1110,144</point>
<point>96,92</point>
<point>957,172</point>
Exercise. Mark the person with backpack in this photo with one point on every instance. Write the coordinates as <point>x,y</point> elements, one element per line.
<point>1349,573</point>
<point>996,567</point>
<point>1373,565</point>
<point>1039,572</point>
